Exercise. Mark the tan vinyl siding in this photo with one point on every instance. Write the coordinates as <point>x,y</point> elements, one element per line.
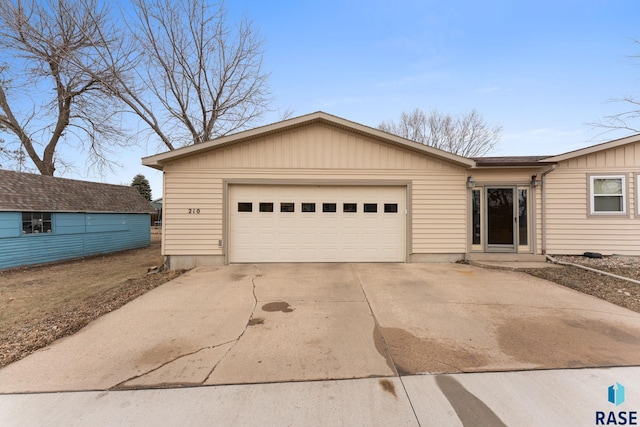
<point>438,207</point>
<point>570,227</point>
<point>191,234</point>
<point>313,154</point>
<point>439,215</point>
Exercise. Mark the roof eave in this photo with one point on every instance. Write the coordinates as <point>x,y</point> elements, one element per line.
<point>594,149</point>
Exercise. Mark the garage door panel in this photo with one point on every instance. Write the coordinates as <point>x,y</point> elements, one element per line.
<point>316,236</point>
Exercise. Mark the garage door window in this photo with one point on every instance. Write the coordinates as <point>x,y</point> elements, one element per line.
<point>287,207</point>
<point>390,208</point>
<point>266,207</point>
<point>371,207</point>
<point>308,207</point>
<point>245,207</point>
<point>350,207</point>
<point>328,207</point>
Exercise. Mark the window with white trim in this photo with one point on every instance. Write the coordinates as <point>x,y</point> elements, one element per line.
<point>608,194</point>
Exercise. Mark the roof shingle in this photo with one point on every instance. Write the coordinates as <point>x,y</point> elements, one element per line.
<point>29,192</point>
<point>510,161</point>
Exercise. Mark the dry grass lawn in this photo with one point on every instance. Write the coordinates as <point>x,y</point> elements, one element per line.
<point>41,304</point>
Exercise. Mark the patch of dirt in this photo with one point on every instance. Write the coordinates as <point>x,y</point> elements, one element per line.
<point>44,303</point>
<point>617,291</point>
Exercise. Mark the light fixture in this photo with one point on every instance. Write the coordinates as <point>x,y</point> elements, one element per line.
<point>535,181</point>
<point>471,182</point>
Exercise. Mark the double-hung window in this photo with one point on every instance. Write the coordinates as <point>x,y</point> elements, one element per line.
<point>608,194</point>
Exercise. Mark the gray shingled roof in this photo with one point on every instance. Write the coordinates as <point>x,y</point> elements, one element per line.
<point>511,161</point>
<point>29,192</point>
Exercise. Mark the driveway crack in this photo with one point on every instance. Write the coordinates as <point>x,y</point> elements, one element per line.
<point>255,305</point>
<point>121,384</point>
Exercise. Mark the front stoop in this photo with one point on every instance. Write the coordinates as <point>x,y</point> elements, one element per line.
<point>511,262</point>
<point>503,257</point>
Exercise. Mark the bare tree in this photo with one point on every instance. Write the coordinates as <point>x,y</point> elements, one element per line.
<point>186,73</point>
<point>51,91</point>
<point>468,135</point>
<point>72,70</point>
<point>625,121</point>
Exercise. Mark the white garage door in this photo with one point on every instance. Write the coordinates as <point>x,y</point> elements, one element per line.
<point>273,223</point>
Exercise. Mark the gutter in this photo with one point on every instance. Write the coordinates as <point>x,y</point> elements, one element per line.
<point>584,267</point>
<point>544,207</point>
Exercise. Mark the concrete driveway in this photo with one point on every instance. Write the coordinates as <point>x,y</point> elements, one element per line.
<point>295,322</point>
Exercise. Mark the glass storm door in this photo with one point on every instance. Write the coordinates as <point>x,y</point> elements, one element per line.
<point>501,219</point>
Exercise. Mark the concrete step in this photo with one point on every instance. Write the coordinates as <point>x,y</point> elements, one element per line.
<point>503,257</point>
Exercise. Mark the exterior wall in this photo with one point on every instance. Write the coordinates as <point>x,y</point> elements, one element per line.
<point>521,177</point>
<point>74,235</point>
<point>570,228</point>
<point>313,154</point>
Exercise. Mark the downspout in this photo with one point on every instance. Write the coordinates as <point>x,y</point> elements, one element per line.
<point>544,207</point>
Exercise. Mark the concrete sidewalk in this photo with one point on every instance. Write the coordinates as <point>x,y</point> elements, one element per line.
<point>530,398</point>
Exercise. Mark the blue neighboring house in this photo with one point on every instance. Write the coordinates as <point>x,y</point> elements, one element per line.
<point>45,219</point>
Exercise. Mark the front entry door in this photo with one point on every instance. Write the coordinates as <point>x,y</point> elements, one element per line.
<point>501,219</point>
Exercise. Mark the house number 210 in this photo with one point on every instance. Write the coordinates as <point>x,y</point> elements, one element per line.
<point>194,211</point>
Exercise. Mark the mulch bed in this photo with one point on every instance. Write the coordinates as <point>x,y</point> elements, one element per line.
<point>623,293</point>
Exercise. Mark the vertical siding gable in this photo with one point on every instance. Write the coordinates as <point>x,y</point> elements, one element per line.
<point>315,146</point>
<point>617,157</point>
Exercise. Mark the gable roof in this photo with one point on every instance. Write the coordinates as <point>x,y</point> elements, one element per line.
<point>157,161</point>
<point>29,192</point>
<point>593,149</point>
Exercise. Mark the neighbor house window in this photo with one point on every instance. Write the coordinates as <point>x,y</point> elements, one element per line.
<point>608,194</point>
<point>36,222</point>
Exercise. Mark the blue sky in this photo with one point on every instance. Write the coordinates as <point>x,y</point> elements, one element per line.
<point>542,70</point>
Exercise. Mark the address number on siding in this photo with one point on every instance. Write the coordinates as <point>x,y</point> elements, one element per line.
<point>194,211</point>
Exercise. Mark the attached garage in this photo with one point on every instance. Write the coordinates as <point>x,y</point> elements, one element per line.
<point>319,188</point>
<point>317,223</point>
<point>315,188</point>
